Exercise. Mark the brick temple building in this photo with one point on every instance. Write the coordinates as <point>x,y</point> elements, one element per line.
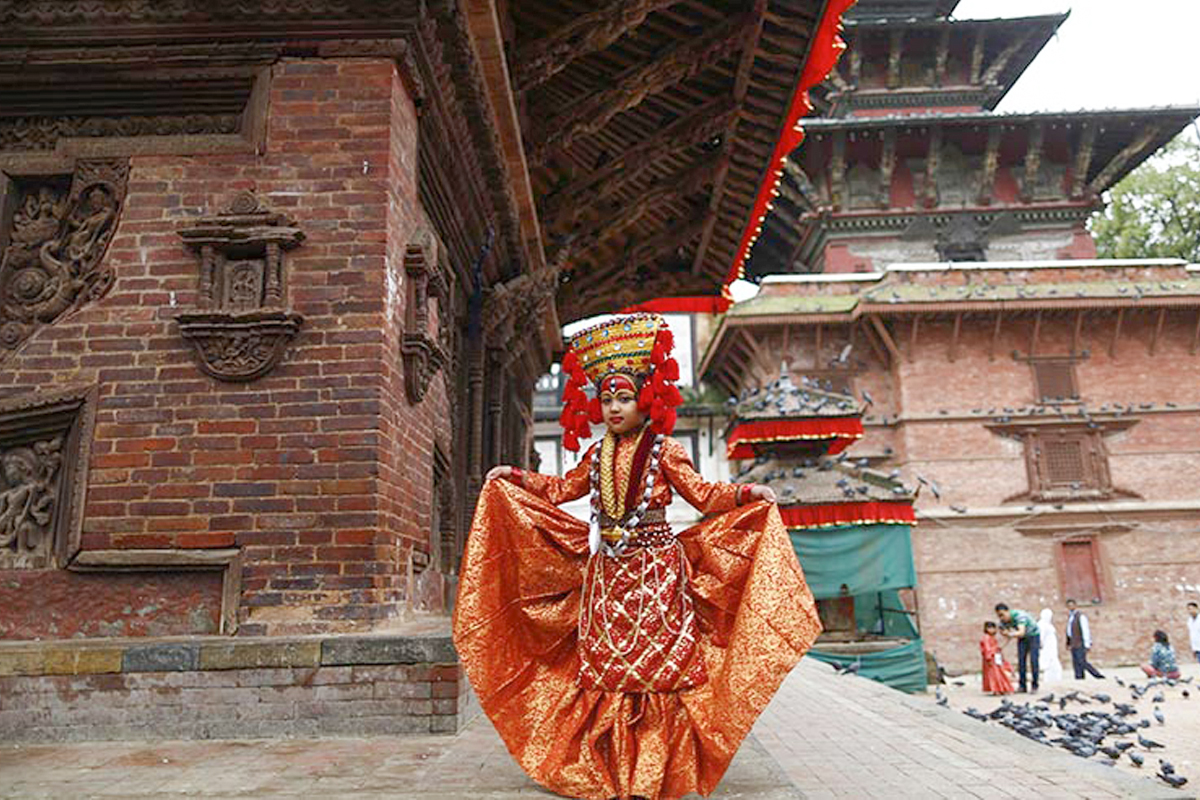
<point>277,282</point>
<point>932,257</point>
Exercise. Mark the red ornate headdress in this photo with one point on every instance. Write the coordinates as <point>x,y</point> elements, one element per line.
<point>635,345</point>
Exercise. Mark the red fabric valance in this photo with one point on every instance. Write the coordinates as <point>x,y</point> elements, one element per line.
<point>841,431</point>
<point>873,512</point>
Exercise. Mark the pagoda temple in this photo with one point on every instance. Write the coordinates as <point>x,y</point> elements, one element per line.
<point>908,161</point>
<point>849,524</point>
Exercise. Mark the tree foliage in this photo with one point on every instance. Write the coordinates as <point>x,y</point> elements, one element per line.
<point>1155,211</point>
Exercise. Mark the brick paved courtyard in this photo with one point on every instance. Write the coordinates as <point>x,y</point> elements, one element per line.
<point>823,736</point>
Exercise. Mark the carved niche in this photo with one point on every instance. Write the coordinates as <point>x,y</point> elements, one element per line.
<point>427,339</point>
<point>54,232</point>
<point>243,326</point>
<point>44,443</point>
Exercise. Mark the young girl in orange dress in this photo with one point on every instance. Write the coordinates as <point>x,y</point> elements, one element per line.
<point>997,673</point>
<point>620,659</point>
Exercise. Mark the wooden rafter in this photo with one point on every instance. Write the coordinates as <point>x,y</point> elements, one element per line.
<point>1077,335</point>
<point>547,55</point>
<point>1037,329</point>
<point>837,170</point>
<point>912,337</point>
<point>995,336</point>
<point>885,337</point>
<point>991,159</point>
<point>1033,161</point>
<point>943,55</point>
<point>646,252</point>
<point>631,87</point>
<point>741,83</point>
<point>873,340</point>
<point>699,126</point>
<point>1195,335</point>
<point>977,54</point>
<point>1083,159</point>
<point>992,76</point>
<point>953,352</point>
<point>887,165</point>
<point>1112,345</point>
<point>1158,326</point>
<point>932,162</point>
<point>895,53</point>
<point>1134,148</point>
<point>681,184</point>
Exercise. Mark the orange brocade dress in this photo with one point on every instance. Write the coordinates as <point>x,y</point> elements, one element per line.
<point>632,675</point>
<point>997,678</point>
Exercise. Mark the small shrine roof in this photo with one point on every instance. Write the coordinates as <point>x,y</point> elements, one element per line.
<point>783,399</point>
<point>825,480</point>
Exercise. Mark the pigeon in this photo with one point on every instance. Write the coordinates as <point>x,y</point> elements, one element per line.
<point>1174,780</point>
<point>1047,699</point>
<point>1158,698</point>
<point>1111,752</point>
<point>1166,767</point>
<point>942,700</point>
<point>1120,682</point>
<point>1149,744</point>
<point>852,669</point>
<point>1137,759</point>
<point>1100,697</point>
<point>1158,715</point>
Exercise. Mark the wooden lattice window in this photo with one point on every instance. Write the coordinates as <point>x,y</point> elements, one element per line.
<point>1079,570</point>
<point>1054,380</point>
<point>1067,465</point>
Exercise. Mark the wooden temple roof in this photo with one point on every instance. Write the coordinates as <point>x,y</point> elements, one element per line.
<point>648,127</point>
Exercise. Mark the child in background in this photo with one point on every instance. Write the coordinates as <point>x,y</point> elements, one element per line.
<point>1162,658</point>
<point>997,673</point>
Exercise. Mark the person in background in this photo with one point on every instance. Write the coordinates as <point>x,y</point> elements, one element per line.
<point>1193,626</point>
<point>1079,641</point>
<point>1162,658</point>
<point>1019,625</point>
<point>997,673</point>
<point>1052,671</point>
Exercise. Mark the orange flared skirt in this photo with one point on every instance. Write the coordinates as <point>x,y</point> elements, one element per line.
<point>516,628</point>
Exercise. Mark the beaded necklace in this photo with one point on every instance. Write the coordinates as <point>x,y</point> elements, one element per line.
<point>605,493</point>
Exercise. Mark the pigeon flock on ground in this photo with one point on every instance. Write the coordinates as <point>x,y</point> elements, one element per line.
<point>1097,731</point>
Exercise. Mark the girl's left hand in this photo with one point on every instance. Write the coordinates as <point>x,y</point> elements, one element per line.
<point>760,492</point>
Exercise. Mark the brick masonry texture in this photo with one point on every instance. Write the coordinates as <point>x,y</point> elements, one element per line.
<point>1147,537</point>
<point>320,471</point>
<point>210,687</point>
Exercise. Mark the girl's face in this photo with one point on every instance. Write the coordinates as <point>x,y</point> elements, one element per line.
<point>621,412</point>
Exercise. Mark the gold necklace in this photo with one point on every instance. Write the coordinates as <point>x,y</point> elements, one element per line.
<point>612,496</point>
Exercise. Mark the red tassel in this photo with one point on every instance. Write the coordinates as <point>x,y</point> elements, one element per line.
<point>657,353</point>
<point>666,338</point>
<point>670,369</point>
<point>595,414</point>
<point>659,383</point>
<point>672,397</point>
<point>645,398</point>
<point>567,415</point>
<point>570,362</point>
<point>658,410</point>
<point>571,441</point>
<point>582,429</point>
<point>668,423</point>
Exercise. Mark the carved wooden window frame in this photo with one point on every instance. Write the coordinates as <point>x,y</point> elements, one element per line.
<point>38,417</point>
<point>1052,372</point>
<point>1094,479</point>
<point>426,342</point>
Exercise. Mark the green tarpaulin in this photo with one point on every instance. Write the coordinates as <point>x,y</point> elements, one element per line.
<point>901,667</point>
<point>865,558</point>
<point>869,563</point>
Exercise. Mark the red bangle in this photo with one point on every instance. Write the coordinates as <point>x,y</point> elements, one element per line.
<point>743,493</point>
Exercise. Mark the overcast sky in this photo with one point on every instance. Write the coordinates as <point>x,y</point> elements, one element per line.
<point>1108,54</point>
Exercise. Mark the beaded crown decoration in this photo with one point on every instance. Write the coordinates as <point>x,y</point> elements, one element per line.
<point>635,345</point>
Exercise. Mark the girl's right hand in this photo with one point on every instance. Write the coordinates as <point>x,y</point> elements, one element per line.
<point>502,471</point>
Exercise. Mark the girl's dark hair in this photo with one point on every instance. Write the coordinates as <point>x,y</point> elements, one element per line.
<point>1001,606</point>
<point>1161,637</point>
<point>988,626</point>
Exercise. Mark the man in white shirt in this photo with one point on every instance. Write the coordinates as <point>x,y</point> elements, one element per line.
<point>1193,623</point>
<point>1079,641</point>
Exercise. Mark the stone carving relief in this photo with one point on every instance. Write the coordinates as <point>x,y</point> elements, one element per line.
<point>243,326</point>
<point>428,319</point>
<point>59,231</point>
<point>44,440</point>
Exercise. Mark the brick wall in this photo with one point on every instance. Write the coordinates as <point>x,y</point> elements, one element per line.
<point>1148,539</point>
<point>320,470</point>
